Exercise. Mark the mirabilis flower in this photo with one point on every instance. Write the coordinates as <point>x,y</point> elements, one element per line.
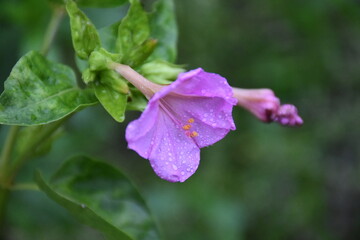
<point>266,106</point>
<point>193,112</point>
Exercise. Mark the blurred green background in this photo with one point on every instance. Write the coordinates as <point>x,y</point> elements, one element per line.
<point>262,181</point>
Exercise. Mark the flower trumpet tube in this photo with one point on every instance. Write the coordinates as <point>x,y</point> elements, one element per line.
<point>193,112</point>
<point>266,106</point>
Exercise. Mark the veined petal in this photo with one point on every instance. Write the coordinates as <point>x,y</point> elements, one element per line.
<point>173,155</point>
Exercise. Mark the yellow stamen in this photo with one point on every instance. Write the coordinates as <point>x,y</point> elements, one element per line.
<point>191,120</point>
<point>194,134</point>
<point>186,127</point>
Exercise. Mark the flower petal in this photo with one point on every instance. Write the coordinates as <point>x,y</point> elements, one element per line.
<point>173,155</point>
<point>139,132</point>
<point>199,83</point>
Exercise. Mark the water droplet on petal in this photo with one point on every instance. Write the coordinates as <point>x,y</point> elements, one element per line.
<point>174,167</point>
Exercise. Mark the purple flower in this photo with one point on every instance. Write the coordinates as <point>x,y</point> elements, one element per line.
<point>266,106</point>
<point>193,112</point>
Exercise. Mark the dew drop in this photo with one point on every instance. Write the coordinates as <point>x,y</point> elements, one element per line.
<point>183,173</point>
<point>174,167</point>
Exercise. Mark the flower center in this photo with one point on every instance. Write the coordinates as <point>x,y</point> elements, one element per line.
<point>174,116</point>
<point>188,126</point>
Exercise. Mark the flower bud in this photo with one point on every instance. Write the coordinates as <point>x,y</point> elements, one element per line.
<point>287,114</point>
<point>115,81</point>
<point>160,72</point>
<point>88,76</point>
<point>266,106</point>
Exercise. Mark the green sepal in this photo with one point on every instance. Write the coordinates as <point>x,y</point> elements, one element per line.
<point>88,76</point>
<point>161,72</point>
<point>39,91</point>
<point>101,60</point>
<point>164,28</point>
<point>85,37</point>
<point>115,81</point>
<point>136,101</point>
<point>101,197</point>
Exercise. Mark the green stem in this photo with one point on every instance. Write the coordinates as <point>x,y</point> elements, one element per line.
<point>4,195</point>
<point>4,165</point>
<point>44,134</point>
<point>7,152</point>
<point>52,28</point>
<point>25,186</point>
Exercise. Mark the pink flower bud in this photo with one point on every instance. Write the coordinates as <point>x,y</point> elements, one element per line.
<point>266,106</point>
<point>287,114</point>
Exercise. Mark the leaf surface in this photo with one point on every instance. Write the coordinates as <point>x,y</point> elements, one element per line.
<point>39,91</point>
<point>102,197</point>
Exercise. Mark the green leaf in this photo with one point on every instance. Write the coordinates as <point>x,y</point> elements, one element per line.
<point>39,91</point>
<point>101,3</point>
<point>133,31</point>
<point>110,95</point>
<point>130,37</point>
<point>164,28</point>
<point>85,37</point>
<point>102,197</point>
